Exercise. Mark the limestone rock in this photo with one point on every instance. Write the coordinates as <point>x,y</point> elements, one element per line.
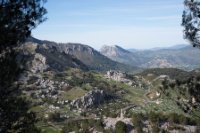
<point>92,98</point>
<point>38,63</point>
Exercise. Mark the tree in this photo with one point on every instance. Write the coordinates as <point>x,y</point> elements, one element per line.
<point>191,21</point>
<point>120,127</point>
<point>155,121</point>
<point>17,19</point>
<point>137,122</point>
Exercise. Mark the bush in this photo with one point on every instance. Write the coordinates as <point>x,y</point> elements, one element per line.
<point>82,126</point>
<point>155,129</point>
<point>54,116</point>
<point>176,127</point>
<point>154,118</point>
<point>120,127</point>
<point>137,122</point>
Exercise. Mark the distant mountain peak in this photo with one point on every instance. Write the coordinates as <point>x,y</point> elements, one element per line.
<point>113,51</point>
<point>181,56</point>
<point>78,53</point>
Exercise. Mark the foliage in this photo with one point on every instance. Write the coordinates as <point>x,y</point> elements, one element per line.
<point>173,73</point>
<point>137,122</point>
<point>17,19</point>
<point>14,115</point>
<point>55,116</point>
<point>191,21</point>
<point>82,126</point>
<point>120,127</point>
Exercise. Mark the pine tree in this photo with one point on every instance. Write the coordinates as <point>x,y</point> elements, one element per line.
<point>191,21</point>
<point>17,19</point>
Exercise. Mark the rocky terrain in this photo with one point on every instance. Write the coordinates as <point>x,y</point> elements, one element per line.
<point>67,95</point>
<point>91,99</point>
<point>80,54</point>
<point>135,81</point>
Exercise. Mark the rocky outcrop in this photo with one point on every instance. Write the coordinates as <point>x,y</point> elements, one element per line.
<point>134,81</point>
<point>112,51</point>
<point>116,75</point>
<point>30,62</point>
<point>92,98</point>
<point>42,83</point>
<point>119,76</point>
<point>45,88</point>
<point>38,64</point>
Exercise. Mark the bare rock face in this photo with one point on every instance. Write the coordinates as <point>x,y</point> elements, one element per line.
<point>38,63</point>
<point>71,48</point>
<point>32,61</point>
<point>110,51</point>
<point>92,98</point>
<point>113,51</point>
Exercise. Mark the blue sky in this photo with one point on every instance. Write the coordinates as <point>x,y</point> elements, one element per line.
<point>137,24</point>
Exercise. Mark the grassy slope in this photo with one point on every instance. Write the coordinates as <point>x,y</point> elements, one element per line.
<point>82,82</point>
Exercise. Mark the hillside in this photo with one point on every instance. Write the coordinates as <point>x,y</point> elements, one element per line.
<point>180,56</point>
<point>39,57</point>
<point>66,97</point>
<point>84,101</point>
<point>174,73</point>
<point>87,55</point>
<point>119,54</point>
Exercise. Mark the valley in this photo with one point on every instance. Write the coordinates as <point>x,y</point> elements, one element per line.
<point>77,80</point>
<point>180,56</point>
<point>70,95</point>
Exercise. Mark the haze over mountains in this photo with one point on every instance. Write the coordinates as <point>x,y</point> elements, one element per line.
<point>179,56</point>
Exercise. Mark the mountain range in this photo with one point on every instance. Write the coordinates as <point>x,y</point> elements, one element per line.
<point>76,55</point>
<point>179,56</point>
<point>69,90</point>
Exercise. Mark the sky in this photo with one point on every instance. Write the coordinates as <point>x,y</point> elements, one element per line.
<point>139,24</point>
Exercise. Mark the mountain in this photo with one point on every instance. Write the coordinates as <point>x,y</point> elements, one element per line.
<point>119,54</point>
<point>180,56</point>
<point>85,54</point>
<point>178,46</point>
<point>113,51</point>
<point>38,57</point>
<point>62,93</point>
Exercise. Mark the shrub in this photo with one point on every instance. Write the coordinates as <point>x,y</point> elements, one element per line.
<point>120,127</point>
<point>54,116</point>
<point>137,122</point>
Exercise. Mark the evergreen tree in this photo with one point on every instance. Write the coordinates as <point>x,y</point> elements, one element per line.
<point>120,127</point>
<point>17,19</point>
<point>191,21</point>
